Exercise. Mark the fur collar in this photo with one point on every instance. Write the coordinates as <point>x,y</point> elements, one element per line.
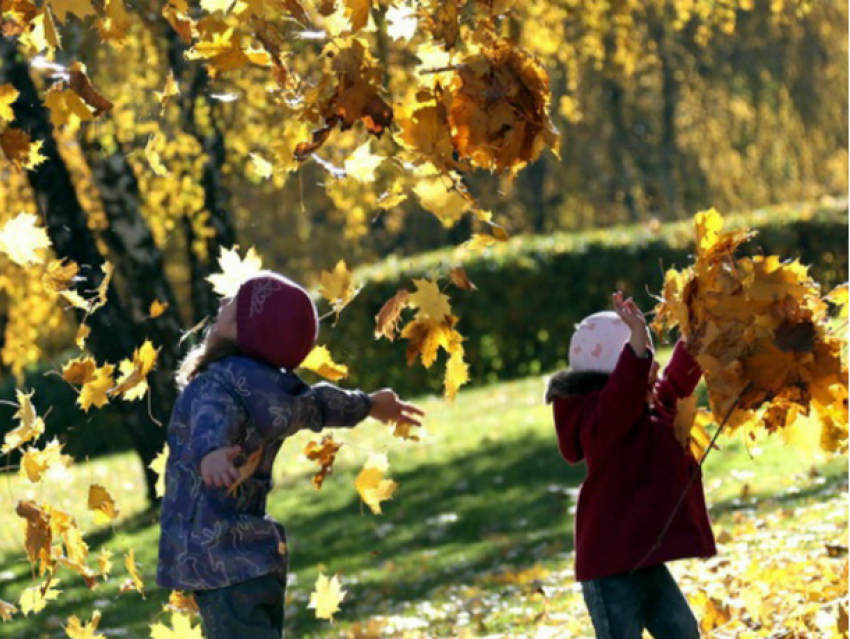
<point>569,382</point>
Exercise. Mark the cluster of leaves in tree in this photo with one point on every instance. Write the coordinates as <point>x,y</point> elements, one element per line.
<point>765,342</point>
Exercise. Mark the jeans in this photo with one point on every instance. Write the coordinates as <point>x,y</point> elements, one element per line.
<point>621,606</point>
<point>252,609</point>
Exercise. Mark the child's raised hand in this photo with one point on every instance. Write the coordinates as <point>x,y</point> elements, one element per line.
<point>388,407</point>
<point>634,319</point>
<point>217,467</point>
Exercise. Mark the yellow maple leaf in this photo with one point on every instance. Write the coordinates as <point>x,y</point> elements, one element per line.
<point>35,463</point>
<point>43,35</point>
<point>839,297</point>
<point>78,630</point>
<point>104,562</point>
<point>260,168</point>
<point>22,240</point>
<point>337,286</point>
<point>158,466</point>
<point>115,23</point>
<point>460,278</point>
<point>182,603</point>
<point>79,371</point>
<point>170,90</point>
<point>157,308</point>
<point>432,304</point>
<point>181,628</point>
<point>66,107</point>
<point>362,163</point>
<point>371,484</point>
<point>82,335</point>
<point>95,392</point>
<point>325,454</point>
<point>327,596</point>
<point>234,270</point>
<point>212,6</point>
<point>35,598</point>
<point>441,197</point>
<point>80,8</point>
<point>320,362</point>
<point>246,470</point>
<point>39,535</point>
<point>7,610</point>
<point>387,319</point>
<point>401,22</point>
<point>135,581</point>
<point>132,384</point>
<point>103,504</point>
<point>402,431</point>
<point>20,150</point>
<point>8,95</point>
<point>457,373</point>
<point>60,275</point>
<point>153,152</point>
<point>30,428</point>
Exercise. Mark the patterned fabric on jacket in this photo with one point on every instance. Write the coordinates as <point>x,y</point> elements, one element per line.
<point>212,540</point>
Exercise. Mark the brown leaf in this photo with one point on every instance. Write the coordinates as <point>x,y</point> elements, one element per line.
<point>246,470</point>
<point>387,319</point>
<point>459,278</point>
<point>81,85</point>
<point>325,454</point>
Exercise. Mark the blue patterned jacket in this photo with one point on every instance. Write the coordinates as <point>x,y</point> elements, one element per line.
<point>209,539</point>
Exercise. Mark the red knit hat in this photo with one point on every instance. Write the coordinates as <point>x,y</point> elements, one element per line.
<point>276,321</point>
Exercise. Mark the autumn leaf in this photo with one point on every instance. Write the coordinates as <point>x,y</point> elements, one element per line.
<point>153,150</point>
<point>83,333</point>
<point>182,603</point>
<point>79,371</point>
<point>104,562</point>
<point>371,484</point>
<point>102,504</point>
<point>401,22</point>
<point>402,431</point>
<point>246,470</point>
<point>35,598</point>
<point>78,630</point>
<point>181,628</point>
<point>132,384</point>
<point>39,535</point>
<point>362,163</point>
<point>157,308</point>
<point>459,278</point>
<point>442,197</point>
<point>234,270</point>
<point>81,84</point>
<point>30,428</point>
<point>60,275</point>
<point>319,361</point>
<point>170,90</point>
<point>35,463</point>
<point>432,304</point>
<point>96,391</point>
<point>8,95</point>
<point>260,168</point>
<point>158,467</point>
<point>457,373</point>
<point>393,196</point>
<point>337,286</point>
<point>325,454</point>
<point>135,581</point>
<point>115,24</point>
<point>7,610</point>
<point>22,240</point>
<point>20,150</point>
<point>80,8</point>
<point>838,297</point>
<point>327,596</point>
<point>387,319</point>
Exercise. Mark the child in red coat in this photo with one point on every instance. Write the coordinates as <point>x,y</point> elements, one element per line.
<point>611,413</point>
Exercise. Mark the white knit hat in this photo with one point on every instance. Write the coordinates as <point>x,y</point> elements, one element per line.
<point>598,341</point>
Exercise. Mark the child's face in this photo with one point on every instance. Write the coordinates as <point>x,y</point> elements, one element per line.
<point>225,322</point>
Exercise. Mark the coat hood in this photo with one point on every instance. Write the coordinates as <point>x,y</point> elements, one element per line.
<point>571,393</point>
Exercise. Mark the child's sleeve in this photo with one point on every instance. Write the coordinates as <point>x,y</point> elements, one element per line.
<point>216,416</point>
<point>328,406</point>
<point>680,378</point>
<point>623,398</point>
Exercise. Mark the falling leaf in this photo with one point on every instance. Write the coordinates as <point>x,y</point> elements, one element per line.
<point>402,431</point>
<point>104,562</point>
<point>184,604</point>
<point>371,484</point>
<point>393,196</point>
<point>80,8</point>
<point>153,148</point>
<point>8,95</point>
<point>181,628</point>
<point>115,24</point>
<point>432,304</point>
<point>387,319</point>
<point>79,371</point>
<point>234,270</point>
<point>325,454</point>
<point>30,428</point>
<point>21,240</point>
<point>212,6</point>
<point>327,596</point>
<point>95,392</point>
<point>66,107</point>
<point>401,22</point>
<point>135,581</point>
<point>337,286</point>
<point>103,504</point>
<point>132,384</point>
<point>246,470</point>
<point>20,150</point>
<point>260,168</point>
<point>457,373</point>
<point>81,84</point>
<point>82,335</point>
<point>442,198</point>
<point>362,163</point>
<point>158,308</point>
<point>170,90</point>
<point>39,535</point>
<point>459,278</point>
<point>35,463</point>
<point>320,362</point>
<point>7,610</point>
<point>77,630</point>
<point>158,466</point>
<point>35,598</point>
<point>60,275</point>
<point>839,297</point>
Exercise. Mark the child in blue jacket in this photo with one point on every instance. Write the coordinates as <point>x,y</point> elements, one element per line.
<point>239,395</point>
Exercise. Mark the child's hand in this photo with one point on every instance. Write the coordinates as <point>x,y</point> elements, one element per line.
<point>634,319</point>
<point>387,407</point>
<point>217,467</point>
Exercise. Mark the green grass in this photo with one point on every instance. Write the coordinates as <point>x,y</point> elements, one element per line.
<point>479,525</point>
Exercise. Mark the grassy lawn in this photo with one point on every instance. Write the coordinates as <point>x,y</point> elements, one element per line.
<point>476,542</point>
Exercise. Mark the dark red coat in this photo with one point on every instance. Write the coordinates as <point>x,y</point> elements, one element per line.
<point>636,469</point>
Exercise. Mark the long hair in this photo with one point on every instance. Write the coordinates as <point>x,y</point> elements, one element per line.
<point>201,356</point>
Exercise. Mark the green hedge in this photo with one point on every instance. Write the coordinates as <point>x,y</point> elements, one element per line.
<point>532,291</point>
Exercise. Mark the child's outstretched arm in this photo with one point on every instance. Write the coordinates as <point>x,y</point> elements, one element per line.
<point>333,406</point>
<point>680,378</point>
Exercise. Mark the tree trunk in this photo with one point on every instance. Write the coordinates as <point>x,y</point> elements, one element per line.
<point>114,333</point>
